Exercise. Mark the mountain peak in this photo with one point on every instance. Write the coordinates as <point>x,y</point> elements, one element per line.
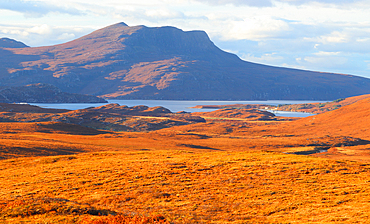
<point>118,25</point>
<point>139,62</point>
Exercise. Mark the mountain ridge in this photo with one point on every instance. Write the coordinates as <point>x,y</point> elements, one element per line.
<point>142,62</point>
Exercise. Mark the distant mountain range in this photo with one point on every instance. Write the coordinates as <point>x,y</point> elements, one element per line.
<point>163,63</point>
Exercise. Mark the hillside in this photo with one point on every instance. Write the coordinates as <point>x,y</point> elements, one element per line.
<point>43,93</point>
<point>319,108</point>
<point>141,62</point>
<point>353,119</point>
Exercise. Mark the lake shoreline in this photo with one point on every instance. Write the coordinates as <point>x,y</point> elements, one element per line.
<point>173,105</point>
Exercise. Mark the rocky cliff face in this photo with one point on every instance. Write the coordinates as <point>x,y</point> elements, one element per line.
<point>43,93</point>
<point>165,63</point>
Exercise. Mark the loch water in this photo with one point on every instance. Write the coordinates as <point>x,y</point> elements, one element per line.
<point>181,105</point>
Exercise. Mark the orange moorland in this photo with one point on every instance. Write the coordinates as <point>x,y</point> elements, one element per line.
<point>314,108</point>
<point>241,170</point>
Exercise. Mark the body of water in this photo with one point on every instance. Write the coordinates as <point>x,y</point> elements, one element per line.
<point>180,105</point>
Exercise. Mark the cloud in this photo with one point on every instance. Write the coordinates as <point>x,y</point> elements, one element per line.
<point>256,28</point>
<point>269,58</point>
<point>163,14</point>
<point>268,3</point>
<point>35,8</point>
<point>258,3</point>
<point>323,53</point>
<point>345,38</point>
<point>66,36</point>
<point>333,37</point>
<point>43,35</point>
<point>42,29</point>
<point>336,2</point>
<point>324,61</point>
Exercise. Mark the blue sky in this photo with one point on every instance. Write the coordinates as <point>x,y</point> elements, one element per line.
<point>325,35</point>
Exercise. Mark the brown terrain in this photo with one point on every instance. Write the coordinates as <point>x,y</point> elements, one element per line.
<point>225,166</point>
<point>140,62</point>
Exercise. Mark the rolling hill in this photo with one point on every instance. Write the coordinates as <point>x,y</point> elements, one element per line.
<point>142,62</point>
<point>350,120</point>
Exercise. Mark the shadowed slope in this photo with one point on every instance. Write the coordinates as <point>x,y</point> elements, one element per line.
<point>43,93</point>
<point>9,43</point>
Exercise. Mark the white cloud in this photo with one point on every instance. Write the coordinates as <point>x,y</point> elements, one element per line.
<point>269,58</point>
<point>257,28</point>
<point>163,14</point>
<point>324,62</point>
<point>259,3</point>
<point>36,8</point>
<point>44,29</point>
<point>334,37</point>
<point>12,31</point>
<point>323,53</point>
<point>42,35</point>
<point>363,39</point>
<point>66,36</point>
<point>269,3</point>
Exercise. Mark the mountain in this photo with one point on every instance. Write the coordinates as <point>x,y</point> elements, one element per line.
<point>141,62</point>
<point>9,43</point>
<point>43,93</point>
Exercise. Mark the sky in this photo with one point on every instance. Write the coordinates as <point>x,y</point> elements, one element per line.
<point>326,35</point>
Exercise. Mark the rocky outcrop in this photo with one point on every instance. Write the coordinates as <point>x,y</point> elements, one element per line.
<point>140,110</point>
<point>141,62</point>
<point>43,93</point>
<point>108,117</point>
<point>245,114</point>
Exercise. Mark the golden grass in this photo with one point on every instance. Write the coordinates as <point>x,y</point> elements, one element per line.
<point>185,187</point>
